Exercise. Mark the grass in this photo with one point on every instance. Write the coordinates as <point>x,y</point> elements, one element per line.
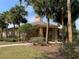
<point>4,42</point>
<point>19,52</point>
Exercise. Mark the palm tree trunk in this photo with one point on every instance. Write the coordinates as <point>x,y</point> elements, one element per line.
<point>1,30</point>
<point>14,30</point>
<point>6,32</point>
<point>47,30</point>
<point>69,21</point>
<point>62,20</point>
<point>2,33</point>
<point>19,34</point>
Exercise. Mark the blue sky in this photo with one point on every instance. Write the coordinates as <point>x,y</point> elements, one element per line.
<point>77,23</point>
<point>7,4</point>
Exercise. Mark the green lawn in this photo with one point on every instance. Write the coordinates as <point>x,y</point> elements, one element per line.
<point>4,42</point>
<point>19,52</point>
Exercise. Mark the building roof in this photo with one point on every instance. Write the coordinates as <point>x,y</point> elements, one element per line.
<point>43,24</point>
<point>38,22</point>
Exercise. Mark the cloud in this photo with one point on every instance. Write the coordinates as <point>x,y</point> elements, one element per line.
<point>31,14</point>
<point>77,24</point>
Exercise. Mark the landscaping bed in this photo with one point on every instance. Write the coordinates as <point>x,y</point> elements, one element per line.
<point>52,50</point>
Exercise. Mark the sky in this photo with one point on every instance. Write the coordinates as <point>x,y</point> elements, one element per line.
<point>5,5</point>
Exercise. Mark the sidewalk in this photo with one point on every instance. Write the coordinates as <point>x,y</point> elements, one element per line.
<point>19,44</point>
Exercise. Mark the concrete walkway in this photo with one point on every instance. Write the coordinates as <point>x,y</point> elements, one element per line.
<point>19,44</point>
<point>22,44</point>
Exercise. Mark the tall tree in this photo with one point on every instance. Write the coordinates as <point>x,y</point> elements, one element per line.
<point>2,25</point>
<point>7,16</point>
<point>19,13</point>
<point>69,21</point>
<point>55,9</point>
<point>43,8</point>
<point>15,16</point>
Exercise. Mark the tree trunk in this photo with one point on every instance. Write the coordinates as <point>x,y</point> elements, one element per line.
<point>19,33</point>
<point>47,30</point>
<point>6,32</point>
<point>62,21</point>
<point>1,30</point>
<point>14,30</point>
<point>2,34</point>
<point>69,21</point>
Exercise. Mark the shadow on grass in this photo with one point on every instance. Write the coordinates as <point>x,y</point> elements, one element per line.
<point>43,57</point>
<point>51,55</point>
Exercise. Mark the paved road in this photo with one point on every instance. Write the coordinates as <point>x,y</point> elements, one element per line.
<point>19,44</point>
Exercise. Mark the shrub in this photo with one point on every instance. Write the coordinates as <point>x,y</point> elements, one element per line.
<point>24,27</point>
<point>9,39</point>
<point>27,31</point>
<point>69,51</point>
<point>43,57</point>
<point>37,40</point>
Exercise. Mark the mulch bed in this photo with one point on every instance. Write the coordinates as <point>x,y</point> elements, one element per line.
<point>51,50</point>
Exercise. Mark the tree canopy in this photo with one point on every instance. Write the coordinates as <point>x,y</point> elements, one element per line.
<point>2,23</point>
<point>15,15</point>
<point>55,8</point>
<point>24,28</point>
<point>19,14</point>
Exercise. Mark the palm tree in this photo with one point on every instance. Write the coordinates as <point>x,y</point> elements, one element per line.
<point>69,21</point>
<point>2,25</point>
<point>7,16</point>
<point>43,8</point>
<point>55,7</point>
<point>19,13</point>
